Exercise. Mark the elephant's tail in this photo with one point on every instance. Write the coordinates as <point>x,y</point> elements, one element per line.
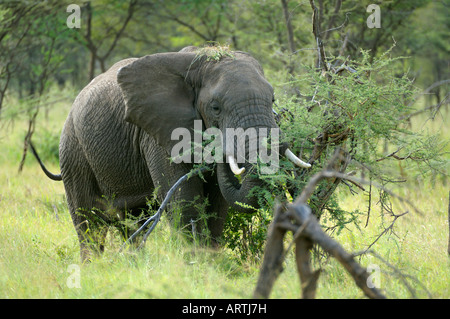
<point>50,175</point>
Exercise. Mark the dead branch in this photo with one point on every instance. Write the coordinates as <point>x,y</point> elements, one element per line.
<point>297,218</point>
<point>289,28</point>
<point>273,256</point>
<point>435,108</point>
<point>391,226</point>
<point>307,231</point>
<point>403,277</point>
<point>331,171</point>
<point>428,89</point>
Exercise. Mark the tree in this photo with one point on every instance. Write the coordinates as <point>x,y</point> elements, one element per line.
<point>105,25</point>
<point>32,38</point>
<point>13,31</point>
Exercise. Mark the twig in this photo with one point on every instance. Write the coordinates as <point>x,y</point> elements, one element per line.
<point>369,205</point>
<point>309,189</point>
<point>380,235</point>
<point>435,107</point>
<point>432,86</point>
<point>339,27</point>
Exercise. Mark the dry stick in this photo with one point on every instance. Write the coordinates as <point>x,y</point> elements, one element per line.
<point>155,218</point>
<point>310,233</point>
<point>273,256</point>
<point>427,90</point>
<point>310,187</point>
<point>369,205</point>
<point>402,276</point>
<point>314,232</point>
<point>308,278</point>
<point>391,226</point>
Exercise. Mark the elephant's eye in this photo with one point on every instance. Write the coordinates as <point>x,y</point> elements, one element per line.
<point>216,108</point>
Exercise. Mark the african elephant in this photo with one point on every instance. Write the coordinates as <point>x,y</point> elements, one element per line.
<point>116,143</point>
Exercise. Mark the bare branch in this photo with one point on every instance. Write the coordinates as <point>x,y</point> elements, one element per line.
<point>434,108</point>
<point>381,235</point>
<point>119,33</point>
<point>307,233</point>
<point>183,23</point>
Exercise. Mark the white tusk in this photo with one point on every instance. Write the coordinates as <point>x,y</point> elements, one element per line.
<point>234,166</point>
<point>295,159</point>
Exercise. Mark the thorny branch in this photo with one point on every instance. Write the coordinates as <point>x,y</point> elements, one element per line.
<point>403,277</point>
<point>381,235</point>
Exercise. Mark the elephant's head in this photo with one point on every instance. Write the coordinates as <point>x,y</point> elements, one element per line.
<point>167,91</point>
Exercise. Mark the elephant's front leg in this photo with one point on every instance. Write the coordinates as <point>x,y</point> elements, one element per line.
<point>217,209</point>
<point>185,205</point>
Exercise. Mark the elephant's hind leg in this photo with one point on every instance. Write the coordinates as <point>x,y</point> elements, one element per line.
<point>91,233</point>
<point>82,195</point>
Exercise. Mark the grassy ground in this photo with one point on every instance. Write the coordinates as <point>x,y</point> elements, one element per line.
<point>39,255</point>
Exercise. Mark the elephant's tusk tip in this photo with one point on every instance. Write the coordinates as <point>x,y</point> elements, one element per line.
<point>234,167</point>
<point>291,156</point>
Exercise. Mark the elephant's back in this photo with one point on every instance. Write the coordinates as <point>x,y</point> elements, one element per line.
<point>98,112</point>
<point>100,99</point>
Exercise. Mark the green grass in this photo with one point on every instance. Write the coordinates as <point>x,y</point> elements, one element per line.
<point>39,246</point>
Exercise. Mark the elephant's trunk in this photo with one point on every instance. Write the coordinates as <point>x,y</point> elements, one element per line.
<point>233,191</point>
<point>242,151</point>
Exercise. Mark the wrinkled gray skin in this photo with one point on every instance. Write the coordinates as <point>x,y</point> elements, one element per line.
<point>116,142</point>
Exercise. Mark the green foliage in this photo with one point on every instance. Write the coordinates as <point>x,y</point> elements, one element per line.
<point>245,234</point>
<point>215,52</point>
<point>48,141</point>
<point>361,109</point>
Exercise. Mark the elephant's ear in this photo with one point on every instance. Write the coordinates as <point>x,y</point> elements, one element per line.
<point>157,96</point>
